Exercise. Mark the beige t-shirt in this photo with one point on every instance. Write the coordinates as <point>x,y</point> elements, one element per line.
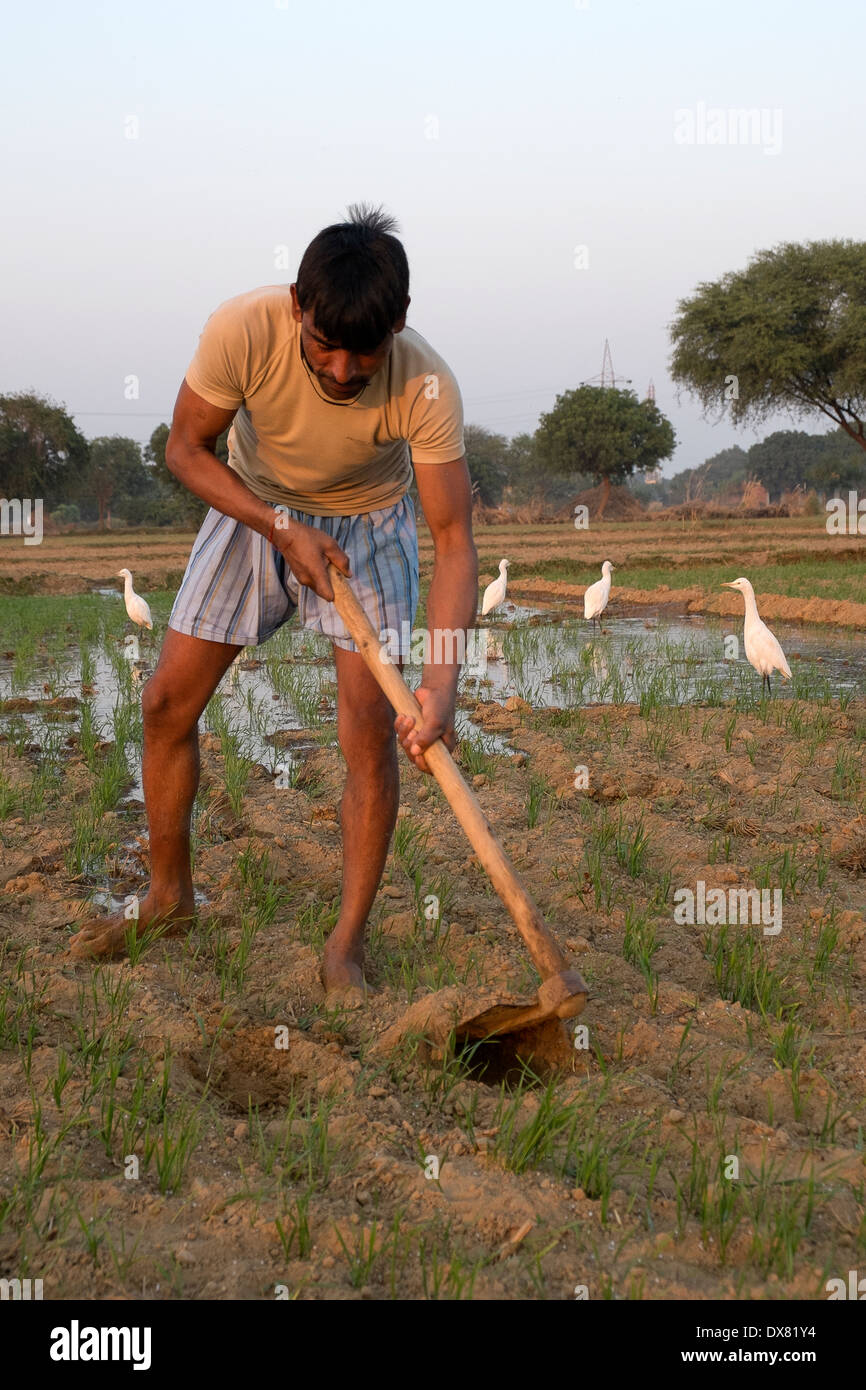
<point>290,443</point>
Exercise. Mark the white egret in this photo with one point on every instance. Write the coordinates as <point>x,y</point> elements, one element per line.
<point>136,606</point>
<point>494,594</point>
<point>596,597</point>
<point>763,649</point>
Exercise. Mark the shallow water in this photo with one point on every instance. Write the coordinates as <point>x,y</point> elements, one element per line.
<point>288,683</point>
<point>691,659</point>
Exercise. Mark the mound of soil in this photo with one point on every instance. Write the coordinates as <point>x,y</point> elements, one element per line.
<point>612,503</point>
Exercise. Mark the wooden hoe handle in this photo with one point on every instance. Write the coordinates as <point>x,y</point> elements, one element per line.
<point>546,955</point>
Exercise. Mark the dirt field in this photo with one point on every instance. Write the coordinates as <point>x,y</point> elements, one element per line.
<point>822,576</point>
<point>192,1123</point>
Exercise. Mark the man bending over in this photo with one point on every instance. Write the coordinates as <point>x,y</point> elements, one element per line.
<point>332,402</point>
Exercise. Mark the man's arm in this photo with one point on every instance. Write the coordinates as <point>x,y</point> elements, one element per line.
<point>446,497</point>
<point>189,455</point>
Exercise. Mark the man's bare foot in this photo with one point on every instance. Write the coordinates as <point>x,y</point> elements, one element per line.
<point>342,975</point>
<point>107,936</point>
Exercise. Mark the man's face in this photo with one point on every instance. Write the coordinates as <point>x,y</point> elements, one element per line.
<point>340,373</point>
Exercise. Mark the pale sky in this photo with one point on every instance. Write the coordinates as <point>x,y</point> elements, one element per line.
<point>502,135</point>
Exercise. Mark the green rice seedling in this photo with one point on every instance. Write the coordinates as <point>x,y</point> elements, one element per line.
<point>781,1211</point>
<point>631,844</point>
<point>744,973</point>
<point>62,1077</point>
<point>847,777</point>
<point>595,876</point>
<point>399,1249</point>
<point>132,1122</point>
<point>714,1088</point>
<point>710,1195</point>
<point>263,895</point>
<point>540,798</point>
<point>440,1076</point>
<point>522,1144</point>
<point>41,1149</point>
<point>730,730</point>
<point>475,759</point>
<point>826,947</point>
<point>236,772</point>
<point>791,1047</point>
<point>434,900</point>
<point>316,920</point>
<point>111,1111</point>
<point>173,1142</point>
<point>88,847</point>
<point>103,1042</point>
<point>362,1255</point>
<point>599,1152</point>
<point>93,1231</point>
<point>23,671</point>
<point>88,734</point>
<point>232,959</point>
<point>294,1231</point>
<point>658,739</point>
<point>8,797</point>
<point>87,668</point>
<point>304,1150</point>
<point>43,792</point>
<point>112,780</point>
<point>301,687</point>
<point>639,940</point>
<point>447,1276</point>
<point>661,890</point>
<point>122,1260</point>
<point>679,1065</point>
<point>639,947</point>
<point>139,943</point>
<point>410,845</point>
<point>236,765</point>
<point>22,1000</point>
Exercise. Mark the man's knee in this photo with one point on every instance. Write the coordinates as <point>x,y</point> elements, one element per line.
<point>163,708</point>
<point>368,736</point>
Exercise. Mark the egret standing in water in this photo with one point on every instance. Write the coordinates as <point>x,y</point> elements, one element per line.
<point>136,606</point>
<point>596,597</point>
<point>494,594</point>
<point>763,649</point>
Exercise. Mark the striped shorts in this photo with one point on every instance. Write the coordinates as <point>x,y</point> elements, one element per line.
<point>238,588</point>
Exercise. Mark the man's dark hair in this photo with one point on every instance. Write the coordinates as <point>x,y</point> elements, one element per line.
<point>354,278</point>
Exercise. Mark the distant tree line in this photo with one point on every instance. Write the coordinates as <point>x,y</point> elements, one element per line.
<point>104,480</point>
<point>825,463</point>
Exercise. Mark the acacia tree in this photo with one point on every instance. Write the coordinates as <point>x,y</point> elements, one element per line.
<point>786,333</point>
<point>605,432</point>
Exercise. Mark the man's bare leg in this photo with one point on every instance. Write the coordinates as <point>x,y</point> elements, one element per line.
<point>172,702</point>
<point>368,812</point>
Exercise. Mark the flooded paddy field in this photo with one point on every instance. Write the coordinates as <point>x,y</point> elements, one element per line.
<point>707,1140</point>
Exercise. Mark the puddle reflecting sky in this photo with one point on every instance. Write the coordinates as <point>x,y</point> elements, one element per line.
<point>559,662</point>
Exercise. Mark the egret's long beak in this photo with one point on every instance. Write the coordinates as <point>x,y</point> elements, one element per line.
<point>726,584</point>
